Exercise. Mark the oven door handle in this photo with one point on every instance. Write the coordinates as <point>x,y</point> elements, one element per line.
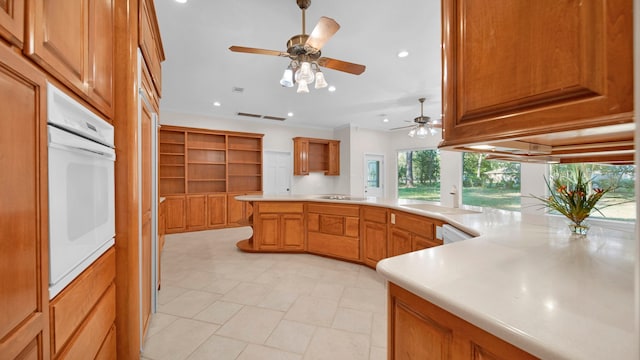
<point>70,142</point>
<point>106,155</point>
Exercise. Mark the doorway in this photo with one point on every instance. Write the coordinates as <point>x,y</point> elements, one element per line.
<point>277,173</point>
<point>374,175</point>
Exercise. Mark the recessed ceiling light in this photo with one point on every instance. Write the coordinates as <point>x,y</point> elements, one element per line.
<point>216,103</point>
<point>181,1</point>
<point>403,53</point>
<point>331,88</point>
<point>385,120</point>
<point>289,114</point>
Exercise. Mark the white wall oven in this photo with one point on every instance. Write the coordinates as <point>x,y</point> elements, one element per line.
<point>81,188</point>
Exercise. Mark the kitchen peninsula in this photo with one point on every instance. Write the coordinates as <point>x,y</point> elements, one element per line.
<point>524,281</point>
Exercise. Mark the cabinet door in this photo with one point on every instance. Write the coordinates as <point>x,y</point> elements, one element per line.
<point>292,231</point>
<point>100,57</point>
<point>268,236</point>
<point>24,273</point>
<point>300,157</point>
<point>334,158</point>
<point>196,212</point>
<point>574,70</point>
<point>235,210</point>
<point>12,21</point>
<point>216,211</point>
<point>420,242</point>
<point>400,242</point>
<point>176,214</point>
<point>374,238</point>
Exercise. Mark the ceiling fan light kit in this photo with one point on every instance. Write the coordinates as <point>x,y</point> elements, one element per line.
<point>304,52</point>
<point>423,124</point>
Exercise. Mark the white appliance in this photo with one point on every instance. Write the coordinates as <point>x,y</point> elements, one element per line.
<point>451,234</point>
<point>81,188</point>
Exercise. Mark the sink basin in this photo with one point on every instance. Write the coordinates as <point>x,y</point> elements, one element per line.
<point>441,209</point>
<point>342,197</point>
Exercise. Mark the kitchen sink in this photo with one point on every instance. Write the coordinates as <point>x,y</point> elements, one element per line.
<point>441,209</point>
<point>342,197</point>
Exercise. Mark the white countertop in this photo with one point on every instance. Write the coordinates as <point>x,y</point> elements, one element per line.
<point>524,279</point>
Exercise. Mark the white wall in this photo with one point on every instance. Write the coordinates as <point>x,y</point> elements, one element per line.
<point>372,142</point>
<point>532,183</point>
<point>278,137</point>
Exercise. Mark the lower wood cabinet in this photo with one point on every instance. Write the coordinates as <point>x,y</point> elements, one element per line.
<point>410,232</point>
<point>176,219</point>
<point>373,234</point>
<point>279,226</point>
<point>421,330</point>
<point>334,230</point>
<point>196,212</point>
<point>82,316</point>
<point>239,212</point>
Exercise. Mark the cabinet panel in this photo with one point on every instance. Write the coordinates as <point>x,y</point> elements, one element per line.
<point>269,225</point>
<point>108,349</point>
<point>216,211</point>
<point>374,238</point>
<point>12,21</point>
<point>293,231</point>
<point>332,245</point>
<point>24,316</point>
<point>100,57</point>
<point>399,242</point>
<point>573,71</point>
<point>334,158</point>
<point>196,212</point>
<point>235,210</point>
<point>419,242</point>
<point>176,214</point>
<point>300,157</point>
<point>150,43</point>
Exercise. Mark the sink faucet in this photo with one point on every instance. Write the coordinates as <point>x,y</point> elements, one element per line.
<point>454,192</point>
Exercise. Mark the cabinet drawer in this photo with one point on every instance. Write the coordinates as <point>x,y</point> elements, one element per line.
<point>70,308</point>
<point>108,349</point>
<point>88,340</point>
<point>280,207</point>
<point>333,245</point>
<point>373,214</point>
<point>344,210</point>
<point>416,224</point>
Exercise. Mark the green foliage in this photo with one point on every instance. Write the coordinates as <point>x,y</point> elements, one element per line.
<point>425,167</point>
<point>477,171</point>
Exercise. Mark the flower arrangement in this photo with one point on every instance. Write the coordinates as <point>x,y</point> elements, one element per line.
<point>574,197</point>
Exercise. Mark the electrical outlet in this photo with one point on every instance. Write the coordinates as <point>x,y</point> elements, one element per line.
<point>393,218</point>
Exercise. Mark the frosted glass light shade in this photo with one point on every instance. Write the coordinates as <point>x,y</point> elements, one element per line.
<point>302,86</point>
<point>287,78</point>
<point>320,81</point>
<point>421,132</point>
<point>305,73</point>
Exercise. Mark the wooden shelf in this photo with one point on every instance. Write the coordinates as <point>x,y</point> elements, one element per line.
<point>244,163</point>
<point>171,177</point>
<point>176,165</point>
<point>207,179</point>
<point>172,154</point>
<point>206,162</point>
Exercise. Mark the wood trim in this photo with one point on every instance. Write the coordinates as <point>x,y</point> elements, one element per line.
<point>207,131</point>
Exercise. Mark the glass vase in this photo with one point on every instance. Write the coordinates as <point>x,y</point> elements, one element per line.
<point>578,229</point>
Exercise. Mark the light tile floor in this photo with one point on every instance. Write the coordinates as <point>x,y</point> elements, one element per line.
<point>218,303</point>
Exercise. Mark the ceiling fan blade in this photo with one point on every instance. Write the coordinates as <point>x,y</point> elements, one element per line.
<point>324,30</point>
<point>249,50</point>
<point>340,65</point>
<point>402,127</point>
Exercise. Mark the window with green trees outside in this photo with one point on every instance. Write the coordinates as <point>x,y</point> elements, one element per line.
<point>490,183</point>
<point>419,175</point>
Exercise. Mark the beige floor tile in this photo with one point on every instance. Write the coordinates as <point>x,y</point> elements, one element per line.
<point>178,340</point>
<point>197,280</point>
<point>257,352</point>
<point>313,311</point>
<point>158,322</point>
<point>364,299</point>
<point>327,291</point>
<point>291,336</point>
<point>370,279</point>
<point>332,344</point>
<point>379,330</point>
<point>221,286</point>
<point>168,292</point>
<point>218,312</point>
<point>218,348</point>
<point>353,320</point>
<point>279,300</point>
<point>247,294</point>
<point>378,353</point>
<point>189,304</point>
<point>251,324</point>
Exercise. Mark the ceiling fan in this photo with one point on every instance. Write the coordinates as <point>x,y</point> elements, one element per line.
<point>304,52</point>
<point>423,124</point>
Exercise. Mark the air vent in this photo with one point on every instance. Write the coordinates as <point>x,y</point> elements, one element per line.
<point>249,115</point>
<point>238,90</point>
<point>273,118</point>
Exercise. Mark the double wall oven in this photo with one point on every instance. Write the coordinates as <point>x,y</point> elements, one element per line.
<point>81,188</point>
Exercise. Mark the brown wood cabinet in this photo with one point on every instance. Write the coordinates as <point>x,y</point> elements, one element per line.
<point>567,66</point>
<point>73,40</point>
<point>211,168</point>
<point>409,232</point>
<point>374,222</point>
<point>419,329</point>
<point>24,273</point>
<point>316,155</point>
<point>12,21</point>
<point>176,214</point>
<point>334,230</point>
<point>279,226</point>
<point>150,42</point>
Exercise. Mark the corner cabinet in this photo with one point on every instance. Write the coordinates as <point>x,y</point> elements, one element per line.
<point>316,155</point>
<point>409,232</point>
<point>426,331</point>
<point>201,171</point>
<point>518,69</point>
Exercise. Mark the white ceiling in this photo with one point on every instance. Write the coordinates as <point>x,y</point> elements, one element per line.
<point>200,69</point>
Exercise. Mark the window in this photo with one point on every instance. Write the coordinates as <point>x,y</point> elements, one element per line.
<point>618,204</point>
<point>490,183</point>
<point>419,175</point>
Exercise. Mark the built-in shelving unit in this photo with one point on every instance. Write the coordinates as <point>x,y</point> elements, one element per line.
<point>196,162</point>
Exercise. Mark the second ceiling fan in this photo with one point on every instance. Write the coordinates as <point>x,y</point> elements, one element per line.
<point>304,52</point>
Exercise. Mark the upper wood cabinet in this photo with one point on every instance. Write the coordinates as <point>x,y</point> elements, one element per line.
<point>12,21</point>
<point>73,40</point>
<point>316,155</point>
<point>522,69</point>
<point>150,42</point>
<point>24,273</point>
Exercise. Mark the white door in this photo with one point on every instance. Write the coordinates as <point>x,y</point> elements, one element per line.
<point>277,173</point>
<point>374,175</point>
